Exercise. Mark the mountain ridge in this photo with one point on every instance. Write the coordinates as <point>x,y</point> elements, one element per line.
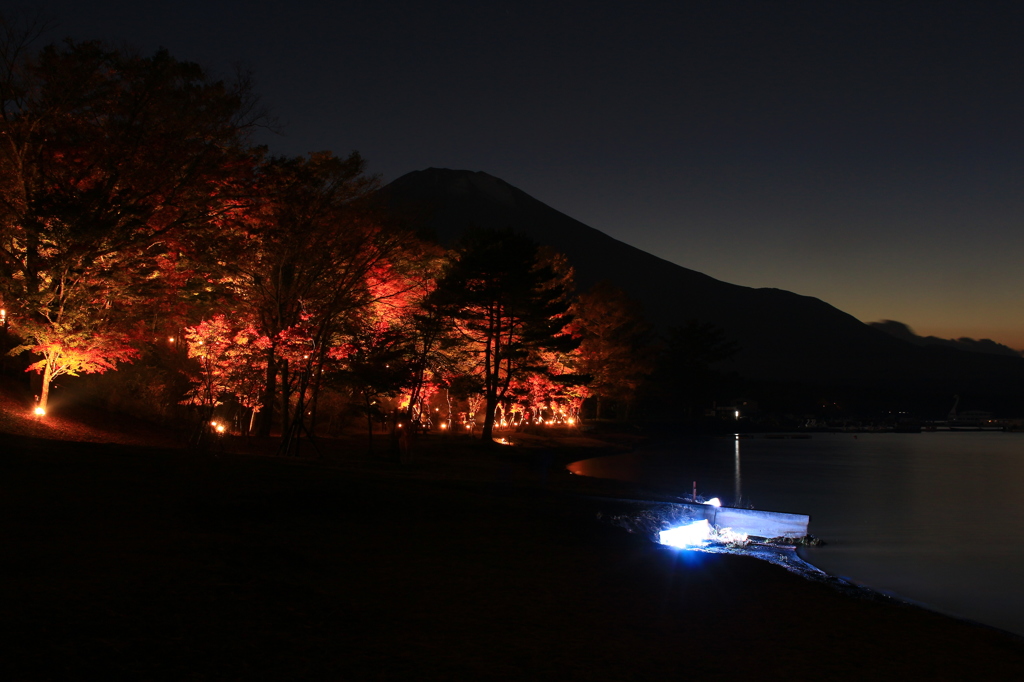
<point>784,337</point>
<point>901,330</point>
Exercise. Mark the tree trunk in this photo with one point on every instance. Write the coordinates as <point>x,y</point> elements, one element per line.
<point>269,393</point>
<point>492,367</point>
<point>285,397</point>
<point>492,403</point>
<point>448,402</point>
<point>369,424</point>
<point>44,394</point>
<point>314,401</point>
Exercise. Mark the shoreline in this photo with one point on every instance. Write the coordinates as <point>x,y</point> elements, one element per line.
<point>460,564</point>
<point>882,538</point>
<point>790,558</point>
<point>861,590</point>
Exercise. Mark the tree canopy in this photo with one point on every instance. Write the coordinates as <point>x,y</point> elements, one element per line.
<point>111,165</point>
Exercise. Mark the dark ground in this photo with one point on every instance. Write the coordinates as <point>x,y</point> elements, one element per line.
<point>126,562</point>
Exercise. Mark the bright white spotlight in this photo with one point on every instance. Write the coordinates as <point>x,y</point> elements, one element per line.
<point>694,534</point>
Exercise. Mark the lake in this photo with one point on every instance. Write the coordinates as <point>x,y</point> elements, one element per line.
<point>934,518</point>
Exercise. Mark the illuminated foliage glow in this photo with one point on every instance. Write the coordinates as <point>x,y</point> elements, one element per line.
<point>133,208</point>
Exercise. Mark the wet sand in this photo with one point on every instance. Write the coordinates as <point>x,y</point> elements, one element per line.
<point>123,562</point>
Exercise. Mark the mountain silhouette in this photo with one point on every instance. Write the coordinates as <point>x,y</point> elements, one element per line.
<point>783,337</point>
<point>903,331</point>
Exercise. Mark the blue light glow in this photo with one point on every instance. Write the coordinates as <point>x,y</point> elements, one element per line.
<point>691,535</point>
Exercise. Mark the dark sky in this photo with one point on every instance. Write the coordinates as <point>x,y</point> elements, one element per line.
<point>868,154</point>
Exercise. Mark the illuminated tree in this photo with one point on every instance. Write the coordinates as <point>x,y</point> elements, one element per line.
<point>562,388</point>
<point>67,351</point>
<point>377,366</point>
<point>509,301</point>
<point>309,266</point>
<point>391,343</point>
<point>230,356</point>
<point>438,353</point>
<point>612,351</point>
<point>110,163</point>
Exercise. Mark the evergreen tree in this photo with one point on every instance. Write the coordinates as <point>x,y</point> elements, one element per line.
<point>509,303</point>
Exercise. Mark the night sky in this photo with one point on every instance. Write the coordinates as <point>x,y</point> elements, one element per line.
<point>868,154</point>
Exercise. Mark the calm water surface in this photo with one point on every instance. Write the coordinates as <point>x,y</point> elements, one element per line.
<point>936,518</point>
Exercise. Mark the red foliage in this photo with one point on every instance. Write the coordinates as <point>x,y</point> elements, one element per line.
<point>232,361</point>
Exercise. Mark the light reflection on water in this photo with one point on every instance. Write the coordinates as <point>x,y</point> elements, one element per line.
<point>936,518</point>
